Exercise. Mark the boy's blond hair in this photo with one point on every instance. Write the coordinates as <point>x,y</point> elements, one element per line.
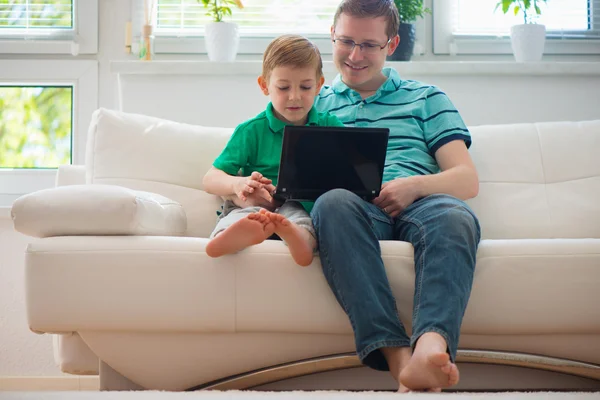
<point>292,51</point>
<point>371,9</point>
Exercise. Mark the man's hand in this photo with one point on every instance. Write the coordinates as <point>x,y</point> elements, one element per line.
<point>397,195</point>
<point>255,190</point>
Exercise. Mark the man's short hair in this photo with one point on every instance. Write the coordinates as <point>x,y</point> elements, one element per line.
<point>371,9</point>
<point>292,51</point>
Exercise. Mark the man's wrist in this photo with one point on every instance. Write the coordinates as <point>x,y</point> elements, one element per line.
<point>420,185</point>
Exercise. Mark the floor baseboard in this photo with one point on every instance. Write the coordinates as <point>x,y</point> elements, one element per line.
<point>51,383</point>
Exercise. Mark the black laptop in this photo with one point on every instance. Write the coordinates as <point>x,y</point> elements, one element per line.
<point>316,159</point>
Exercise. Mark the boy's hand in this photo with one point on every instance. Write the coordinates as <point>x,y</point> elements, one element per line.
<point>249,185</point>
<point>255,190</point>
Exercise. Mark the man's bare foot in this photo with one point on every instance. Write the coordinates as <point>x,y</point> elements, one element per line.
<point>429,368</point>
<point>299,240</point>
<point>253,229</point>
<point>397,359</point>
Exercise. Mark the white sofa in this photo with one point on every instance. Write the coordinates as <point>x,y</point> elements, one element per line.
<point>160,314</point>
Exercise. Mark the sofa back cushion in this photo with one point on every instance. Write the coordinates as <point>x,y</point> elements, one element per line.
<point>159,156</point>
<point>538,180</point>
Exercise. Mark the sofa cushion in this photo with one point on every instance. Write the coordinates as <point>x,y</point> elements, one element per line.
<point>97,210</point>
<point>537,181</point>
<point>159,156</point>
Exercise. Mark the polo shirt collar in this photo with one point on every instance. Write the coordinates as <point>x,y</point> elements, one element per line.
<point>391,84</point>
<point>277,125</point>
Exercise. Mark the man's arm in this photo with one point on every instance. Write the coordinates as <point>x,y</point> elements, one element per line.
<point>458,176</point>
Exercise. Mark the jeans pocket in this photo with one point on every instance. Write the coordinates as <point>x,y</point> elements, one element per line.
<point>386,219</point>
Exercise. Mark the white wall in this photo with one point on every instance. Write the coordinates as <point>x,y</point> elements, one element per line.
<point>481,97</point>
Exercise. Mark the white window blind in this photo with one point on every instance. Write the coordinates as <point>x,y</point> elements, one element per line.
<point>49,26</point>
<point>562,18</point>
<point>476,27</point>
<point>257,18</point>
<point>31,18</point>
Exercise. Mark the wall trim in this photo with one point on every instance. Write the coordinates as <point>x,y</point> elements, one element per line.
<point>45,383</point>
<point>450,68</point>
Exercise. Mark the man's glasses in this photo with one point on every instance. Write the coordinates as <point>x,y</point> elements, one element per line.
<point>366,47</point>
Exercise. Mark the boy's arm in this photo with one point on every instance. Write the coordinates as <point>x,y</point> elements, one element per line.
<point>220,183</point>
<point>244,191</point>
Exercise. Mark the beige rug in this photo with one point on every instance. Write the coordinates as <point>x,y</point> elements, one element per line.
<point>296,395</point>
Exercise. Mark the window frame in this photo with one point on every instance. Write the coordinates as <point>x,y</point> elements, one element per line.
<point>83,41</point>
<point>446,43</point>
<point>83,76</point>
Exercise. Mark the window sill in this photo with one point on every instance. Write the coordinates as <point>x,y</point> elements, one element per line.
<point>420,68</point>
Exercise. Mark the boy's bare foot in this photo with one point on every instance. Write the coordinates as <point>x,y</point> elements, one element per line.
<point>429,368</point>
<point>253,229</point>
<point>299,240</point>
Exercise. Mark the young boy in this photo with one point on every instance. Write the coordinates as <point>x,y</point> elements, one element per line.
<point>292,76</point>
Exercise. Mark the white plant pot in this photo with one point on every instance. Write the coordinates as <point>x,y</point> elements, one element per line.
<point>222,41</point>
<point>528,41</point>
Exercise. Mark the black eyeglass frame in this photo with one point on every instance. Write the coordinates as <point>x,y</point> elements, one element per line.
<point>363,44</point>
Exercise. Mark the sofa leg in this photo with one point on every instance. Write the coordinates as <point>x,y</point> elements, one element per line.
<point>112,380</point>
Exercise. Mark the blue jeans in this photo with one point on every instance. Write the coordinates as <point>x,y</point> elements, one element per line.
<point>444,233</point>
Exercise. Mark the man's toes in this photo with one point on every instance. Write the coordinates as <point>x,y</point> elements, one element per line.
<point>446,368</point>
<point>453,375</point>
<point>403,389</point>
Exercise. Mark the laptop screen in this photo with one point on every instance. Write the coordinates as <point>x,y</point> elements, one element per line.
<point>315,160</point>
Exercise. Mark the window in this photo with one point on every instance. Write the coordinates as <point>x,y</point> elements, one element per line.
<point>45,112</point>
<point>258,17</point>
<point>473,27</point>
<point>35,126</point>
<point>179,24</point>
<point>49,26</point>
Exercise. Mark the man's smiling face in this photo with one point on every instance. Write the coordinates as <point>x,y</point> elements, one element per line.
<point>361,70</point>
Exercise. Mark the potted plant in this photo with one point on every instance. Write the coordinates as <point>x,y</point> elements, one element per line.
<point>222,38</point>
<point>527,39</point>
<point>409,11</point>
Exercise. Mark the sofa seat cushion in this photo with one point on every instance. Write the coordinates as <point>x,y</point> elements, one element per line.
<point>97,210</point>
<point>178,288</point>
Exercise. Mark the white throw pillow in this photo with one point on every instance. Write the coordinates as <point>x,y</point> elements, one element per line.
<point>97,210</point>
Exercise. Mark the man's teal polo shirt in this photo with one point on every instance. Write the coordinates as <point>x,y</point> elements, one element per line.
<point>421,119</point>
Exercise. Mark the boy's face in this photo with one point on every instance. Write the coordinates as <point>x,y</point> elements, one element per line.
<point>361,69</point>
<point>292,92</point>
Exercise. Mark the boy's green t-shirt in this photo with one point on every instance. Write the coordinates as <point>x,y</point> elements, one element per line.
<point>255,145</point>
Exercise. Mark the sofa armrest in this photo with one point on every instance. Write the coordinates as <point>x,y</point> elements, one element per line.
<point>70,175</point>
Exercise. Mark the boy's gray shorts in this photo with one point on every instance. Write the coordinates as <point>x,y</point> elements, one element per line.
<point>292,210</point>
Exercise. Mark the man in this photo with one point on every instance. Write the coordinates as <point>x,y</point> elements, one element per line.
<point>427,175</point>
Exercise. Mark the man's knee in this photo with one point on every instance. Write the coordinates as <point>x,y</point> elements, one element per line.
<point>458,215</point>
<point>335,200</point>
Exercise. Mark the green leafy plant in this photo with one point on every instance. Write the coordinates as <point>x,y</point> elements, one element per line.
<point>217,9</point>
<point>410,10</point>
<point>521,5</point>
